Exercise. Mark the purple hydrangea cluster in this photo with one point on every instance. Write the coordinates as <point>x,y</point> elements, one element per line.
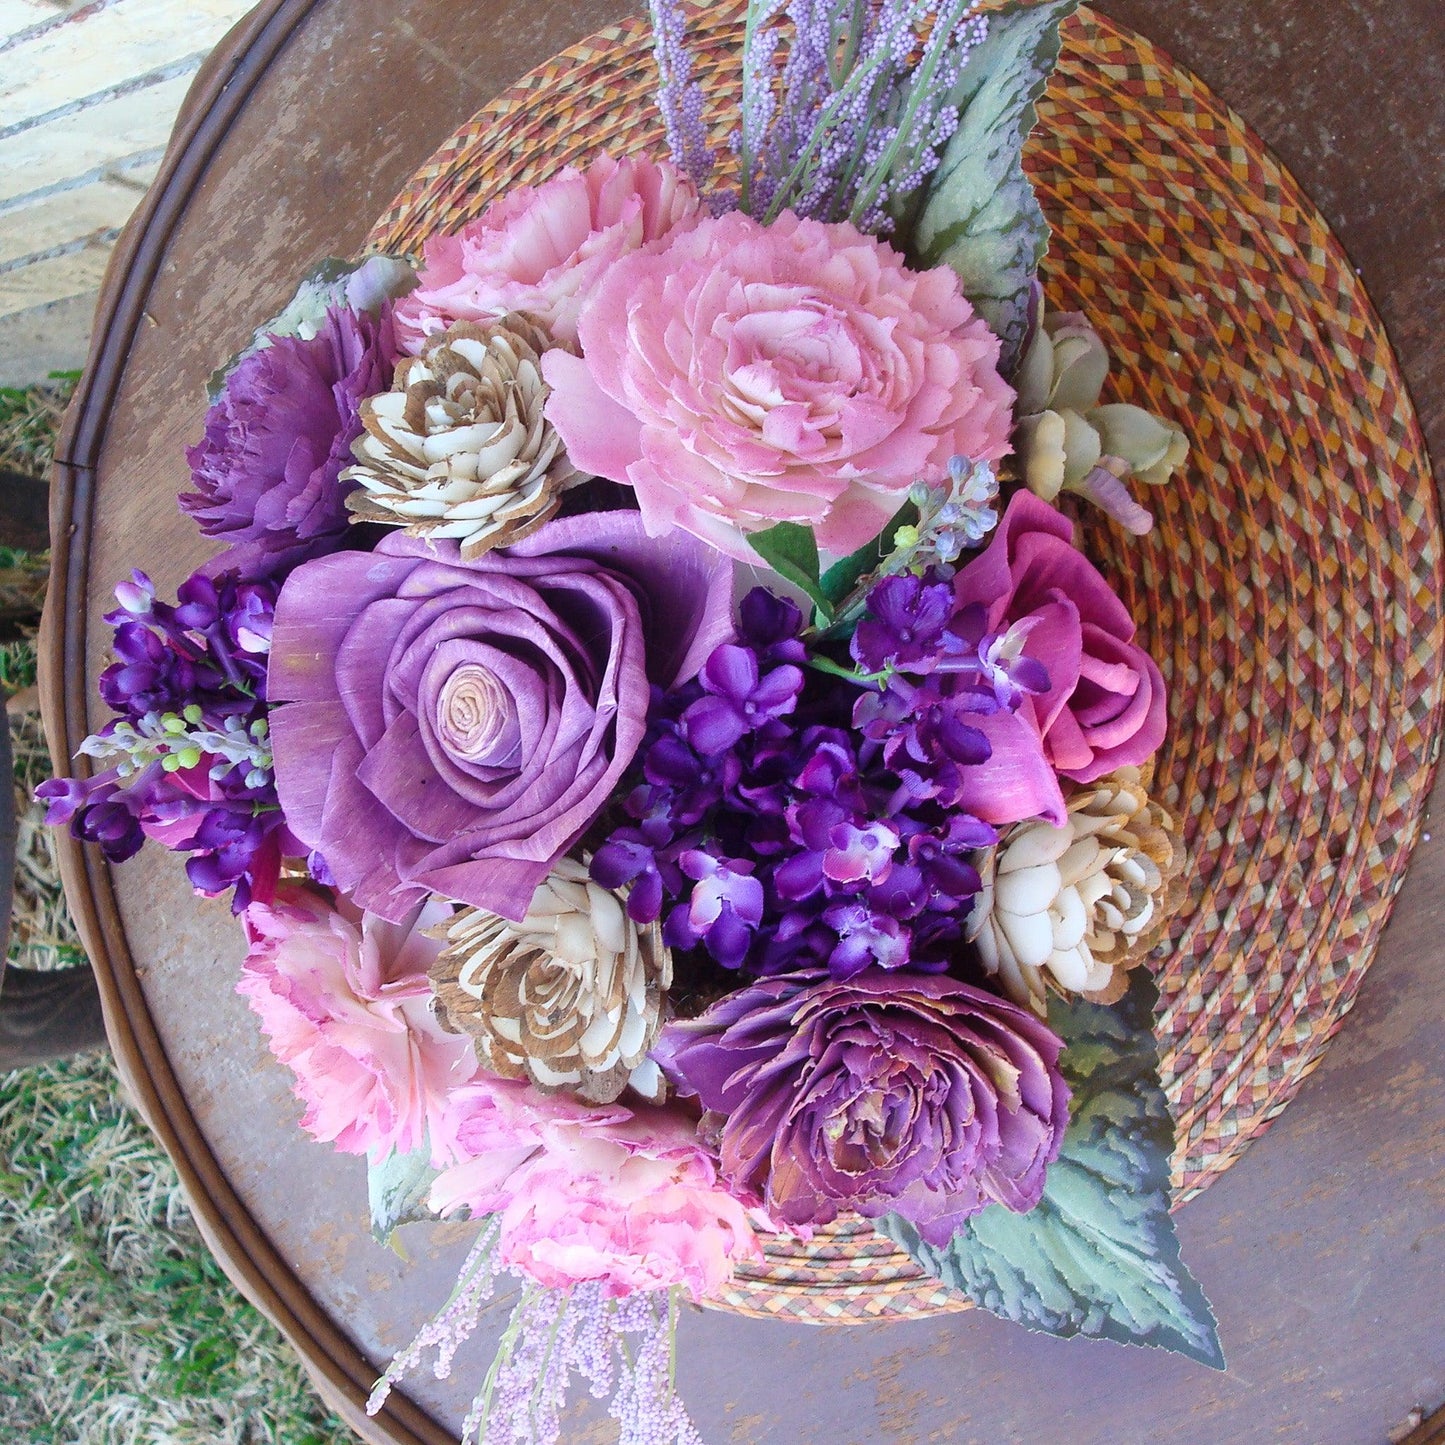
<point>778,837</point>
<point>189,745</point>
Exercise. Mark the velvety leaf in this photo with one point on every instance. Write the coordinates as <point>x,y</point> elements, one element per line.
<point>397,1190</point>
<point>843,576</point>
<point>1098,1256</point>
<point>791,550</point>
<point>978,212</point>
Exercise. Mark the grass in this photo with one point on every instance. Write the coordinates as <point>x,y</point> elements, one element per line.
<point>116,1325</point>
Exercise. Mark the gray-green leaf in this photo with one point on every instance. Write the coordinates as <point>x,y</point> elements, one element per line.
<point>397,1190</point>
<point>1098,1256</point>
<point>978,212</point>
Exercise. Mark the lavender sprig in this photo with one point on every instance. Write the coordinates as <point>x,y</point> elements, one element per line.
<point>679,96</point>
<point>551,1335</point>
<point>859,113</point>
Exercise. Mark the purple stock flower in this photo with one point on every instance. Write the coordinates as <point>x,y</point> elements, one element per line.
<point>267,471</point>
<point>777,840</point>
<point>906,623</point>
<point>193,763</point>
<point>884,1092</point>
<point>738,698</point>
<point>724,911</point>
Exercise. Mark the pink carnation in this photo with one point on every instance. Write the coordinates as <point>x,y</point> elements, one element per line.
<point>343,998</point>
<point>589,1193</point>
<point>543,249</point>
<point>739,375</point>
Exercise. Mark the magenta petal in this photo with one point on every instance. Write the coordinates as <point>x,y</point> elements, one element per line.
<point>1018,780</point>
<point>1055,641</point>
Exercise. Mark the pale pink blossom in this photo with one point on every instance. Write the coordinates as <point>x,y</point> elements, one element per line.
<point>344,1001</point>
<point>582,1192</point>
<point>737,375</point>
<point>543,249</point>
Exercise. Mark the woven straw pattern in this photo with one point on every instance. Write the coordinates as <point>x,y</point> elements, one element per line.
<point>1290,591</point>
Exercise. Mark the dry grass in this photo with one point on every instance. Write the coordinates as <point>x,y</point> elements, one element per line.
<point>116,1326</point>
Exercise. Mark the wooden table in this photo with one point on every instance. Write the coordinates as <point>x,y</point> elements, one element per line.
<point>1322,1250</point>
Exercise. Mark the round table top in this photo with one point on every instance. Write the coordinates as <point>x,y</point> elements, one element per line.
<point>1322,1250</point>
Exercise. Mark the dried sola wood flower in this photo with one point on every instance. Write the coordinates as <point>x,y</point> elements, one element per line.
<point>459,447</point>
<point>570,998</point>
<point>1075,907</point>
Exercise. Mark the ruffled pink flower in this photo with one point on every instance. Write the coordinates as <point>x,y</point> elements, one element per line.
<point>544,249</point>
<point>593,1193</point>
<point>1105,704</point>
<point>738,375</point>
<point>343,998</point>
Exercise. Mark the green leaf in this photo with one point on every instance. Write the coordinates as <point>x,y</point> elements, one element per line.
<point>1098,1256</point>
<point>791,550</point>
<point>842,577</point>
<point>397,1190</point>
<point>977,213</point>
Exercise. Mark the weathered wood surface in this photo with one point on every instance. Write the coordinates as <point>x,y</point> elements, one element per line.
<point>88,94</point>
<point>1322,1250</point>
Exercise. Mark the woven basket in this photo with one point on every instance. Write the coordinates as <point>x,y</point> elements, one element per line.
<point>1290,591</point>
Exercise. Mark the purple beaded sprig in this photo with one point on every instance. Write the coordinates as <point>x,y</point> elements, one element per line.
<point>861,109</point>
<point>680,97</point>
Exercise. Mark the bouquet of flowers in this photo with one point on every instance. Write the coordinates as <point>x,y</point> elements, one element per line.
<point>680,778</point>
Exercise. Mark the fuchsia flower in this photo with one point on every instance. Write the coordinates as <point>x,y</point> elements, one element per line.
<point>451,727</point>
<point>344,1000</point>
<point>1104,707</point>
<point>738,375</point>
<point>587,1192</point>
<point>545,249</point>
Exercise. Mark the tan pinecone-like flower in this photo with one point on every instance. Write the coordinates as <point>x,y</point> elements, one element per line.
<point>570,998</point>
<point>1076,907</point>
<point>459,447</point>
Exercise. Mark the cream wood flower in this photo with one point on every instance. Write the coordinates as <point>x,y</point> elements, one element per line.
<point>459,447</point>
<point>1073,908</point>
<point>570,998</point>
<point>1066,441</point>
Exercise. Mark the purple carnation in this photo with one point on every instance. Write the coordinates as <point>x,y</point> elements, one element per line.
<point>267,472</point>
<point>888,1092</point>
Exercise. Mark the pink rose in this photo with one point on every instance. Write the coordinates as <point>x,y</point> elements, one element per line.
<point>344,1000</point>
<point>589,1193</point>
<point>739,375</point>
<point>543,249</point>
<point>1105,704</point>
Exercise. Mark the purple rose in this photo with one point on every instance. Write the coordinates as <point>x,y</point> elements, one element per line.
<point>453,727</point>
<point>267,472</point>
<point>888,1092</point>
